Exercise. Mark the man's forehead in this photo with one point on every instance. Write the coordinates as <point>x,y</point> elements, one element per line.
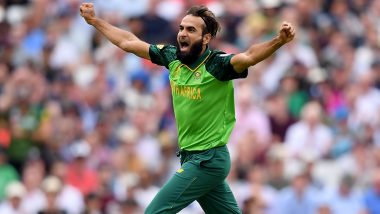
<point>192,21</point>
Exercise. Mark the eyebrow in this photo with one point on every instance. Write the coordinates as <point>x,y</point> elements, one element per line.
<point>188,27</point>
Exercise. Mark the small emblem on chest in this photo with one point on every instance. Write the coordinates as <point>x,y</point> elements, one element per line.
<point>197,75</point>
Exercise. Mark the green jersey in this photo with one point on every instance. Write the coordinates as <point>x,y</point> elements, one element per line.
<point>203,96</point>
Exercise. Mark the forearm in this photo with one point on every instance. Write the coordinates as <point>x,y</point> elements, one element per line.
<point>122,38</point>
<point>258,52</point>
<point>255,54</point>
<point>115,35</point>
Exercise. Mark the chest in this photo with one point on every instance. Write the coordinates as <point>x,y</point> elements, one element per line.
<point>183,75</point>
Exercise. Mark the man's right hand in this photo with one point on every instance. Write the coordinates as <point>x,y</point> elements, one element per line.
<point>87,12</point>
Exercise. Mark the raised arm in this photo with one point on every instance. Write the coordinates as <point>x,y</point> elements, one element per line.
<point>258,52</point>
<point>121,38</point>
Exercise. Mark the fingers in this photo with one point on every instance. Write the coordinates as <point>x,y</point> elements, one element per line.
<point>288,29</point>
<point>86,7</point>
<point>292,32</point>
<point>87,12</point>
<point>286,26</point>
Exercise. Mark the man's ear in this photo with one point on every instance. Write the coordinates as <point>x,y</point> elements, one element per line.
<point>206,38</point>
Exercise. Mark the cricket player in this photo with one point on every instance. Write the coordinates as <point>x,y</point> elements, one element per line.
<point>203,100</point>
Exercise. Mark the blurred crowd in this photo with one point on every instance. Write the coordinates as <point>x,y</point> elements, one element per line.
<point>88,128</point>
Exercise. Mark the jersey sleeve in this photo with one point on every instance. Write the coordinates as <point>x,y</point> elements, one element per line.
<point>220,67</point>
<point>162,54</point>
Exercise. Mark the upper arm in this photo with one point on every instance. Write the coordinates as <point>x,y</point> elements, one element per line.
<point>240,62</point>
<point>137,47</point>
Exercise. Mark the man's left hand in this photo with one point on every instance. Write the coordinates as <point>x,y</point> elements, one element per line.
<point>287,33</point>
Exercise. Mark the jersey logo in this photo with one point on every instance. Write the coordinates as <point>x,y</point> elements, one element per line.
<point>180,170</point>
<point>160,46</point>
<point>197,75</point>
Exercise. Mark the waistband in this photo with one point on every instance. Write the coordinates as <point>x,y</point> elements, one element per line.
<point>185,152</point>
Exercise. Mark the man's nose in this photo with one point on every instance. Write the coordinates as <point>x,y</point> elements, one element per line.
<point>182,33</point>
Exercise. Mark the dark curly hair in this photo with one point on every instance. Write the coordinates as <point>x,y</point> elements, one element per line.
<point>212,26</point>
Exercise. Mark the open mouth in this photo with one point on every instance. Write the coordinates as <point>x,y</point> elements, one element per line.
<point>184,45</point>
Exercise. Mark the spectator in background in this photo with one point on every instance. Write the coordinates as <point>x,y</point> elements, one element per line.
<point>250,152</point>
<point>97,140</point>
<point>78,173</point>
<point>15,192</point>
<point>279,117</point>
<point>145,190</point>
<point>93,204</point>
<point>376,70</point>
<point>276,167</point>
<point>32,176</point>
<point>299,198</point>
<point>372,195</point>
<point>357,164</point>
<point>368,51</point>
<point>295,94</point>
<point>345,199</point>
<point>24,110</point>
<point>52,187</point>
<point>253,205</point>
<point>130,206</point>
<point>344,137</point>
<point>69,197</point>
<point>167,163</point>
<point>126,162</point>
<point>250,117</point>
<point>4,75</point>
<point>104,192</point>
<point>331,92</point>
<point>8,173</point>
<point>139,95</point>
<point>366,104</point>
<point>257,191</point>
<point>324,209</point>
<point>309,134</point>
<point>156,29</point>
<point>5,132</point>
<point>342,18</point>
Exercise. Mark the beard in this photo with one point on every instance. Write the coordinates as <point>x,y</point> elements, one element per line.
<point>192,55</point>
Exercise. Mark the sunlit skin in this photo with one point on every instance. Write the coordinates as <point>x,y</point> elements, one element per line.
<point>190,31</point>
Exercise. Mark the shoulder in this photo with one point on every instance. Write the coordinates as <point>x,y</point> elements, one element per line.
<point>219,65</point>
<point>163,48</point>
<point>162,54</point>
<point>220,55</point>
<point>217,59</point>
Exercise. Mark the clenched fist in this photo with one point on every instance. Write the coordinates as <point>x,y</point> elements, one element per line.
<point>87,12</point>
<point>287,32</point>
